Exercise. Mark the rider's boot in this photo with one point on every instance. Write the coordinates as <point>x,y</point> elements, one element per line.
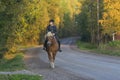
<point>44,46</point>
<point>59,50</point>
<point>59,47</point>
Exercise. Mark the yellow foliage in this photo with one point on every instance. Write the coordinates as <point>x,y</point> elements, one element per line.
<point>111,16</point>
<point>106,1</point>
<point>9,56</point>
<point>26,20</point>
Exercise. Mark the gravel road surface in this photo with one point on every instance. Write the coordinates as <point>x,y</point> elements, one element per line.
<point>73,64</point>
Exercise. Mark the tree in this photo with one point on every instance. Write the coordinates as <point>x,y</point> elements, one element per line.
<point>110,20</point>
<point>87,21</point>
<point>23,22</point>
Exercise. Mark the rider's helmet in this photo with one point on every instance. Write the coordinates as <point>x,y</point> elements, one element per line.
<point>51,20</point>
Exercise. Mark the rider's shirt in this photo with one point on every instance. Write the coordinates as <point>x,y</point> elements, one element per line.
<point>52,29</point>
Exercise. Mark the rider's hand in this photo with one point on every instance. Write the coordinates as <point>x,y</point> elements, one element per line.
<point>53,34</point>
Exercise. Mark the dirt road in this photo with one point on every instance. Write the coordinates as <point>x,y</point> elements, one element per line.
<point>72,64</point>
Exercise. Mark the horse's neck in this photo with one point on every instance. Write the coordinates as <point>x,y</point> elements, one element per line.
<point>55,41</point>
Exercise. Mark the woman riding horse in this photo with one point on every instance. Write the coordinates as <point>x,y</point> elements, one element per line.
<point>52,28</point>
<point>52,43</point>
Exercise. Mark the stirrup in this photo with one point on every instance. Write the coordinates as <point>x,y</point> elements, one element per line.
<point>60,50</point>
<point>44,48</point>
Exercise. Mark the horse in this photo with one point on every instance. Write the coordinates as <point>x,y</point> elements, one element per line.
<point>51,48</point>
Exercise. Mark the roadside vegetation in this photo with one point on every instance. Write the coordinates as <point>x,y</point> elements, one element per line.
<point>12,62</point>
<point>110,48</point>
<point>20,77</point>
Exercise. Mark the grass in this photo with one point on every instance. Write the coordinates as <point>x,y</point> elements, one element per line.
<point>109,52</point>
<point>111,48</point>
<point>16,63</point>
<point>20,77</point>
<point>2,51</point>
<point>86,46</point>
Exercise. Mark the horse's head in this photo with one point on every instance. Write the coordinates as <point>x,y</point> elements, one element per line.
<point>50,36</point>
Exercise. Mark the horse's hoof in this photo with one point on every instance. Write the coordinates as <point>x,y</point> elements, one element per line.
<point>52,65</point>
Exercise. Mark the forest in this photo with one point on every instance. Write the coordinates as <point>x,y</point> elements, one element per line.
<point>23,22</point>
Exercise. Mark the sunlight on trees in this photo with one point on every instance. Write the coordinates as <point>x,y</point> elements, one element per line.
<point>23,22</point>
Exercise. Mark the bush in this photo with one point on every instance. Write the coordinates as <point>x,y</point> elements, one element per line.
<point>114,44</point>
<point>85,45</point>
<point>111,48</point>
<point>2,52</point>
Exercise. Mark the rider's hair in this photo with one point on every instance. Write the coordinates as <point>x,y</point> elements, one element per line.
<point>51,20</point>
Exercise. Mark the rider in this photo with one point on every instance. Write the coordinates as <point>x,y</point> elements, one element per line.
<point>52,28</point>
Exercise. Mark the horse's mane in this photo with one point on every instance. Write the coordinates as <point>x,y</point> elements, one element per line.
<point>49,34</point>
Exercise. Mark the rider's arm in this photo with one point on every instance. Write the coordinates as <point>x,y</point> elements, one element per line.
<point>55,29</point>
<point>47,29</point>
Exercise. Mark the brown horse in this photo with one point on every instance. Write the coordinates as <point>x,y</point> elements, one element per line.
<point>52,48</point>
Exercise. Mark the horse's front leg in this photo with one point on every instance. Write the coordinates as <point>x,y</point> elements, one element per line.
<point>51,59</point>
<point>54,55</point>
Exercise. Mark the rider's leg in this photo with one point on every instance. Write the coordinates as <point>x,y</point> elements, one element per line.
<point>59,44</point>
<point>45,44</point>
